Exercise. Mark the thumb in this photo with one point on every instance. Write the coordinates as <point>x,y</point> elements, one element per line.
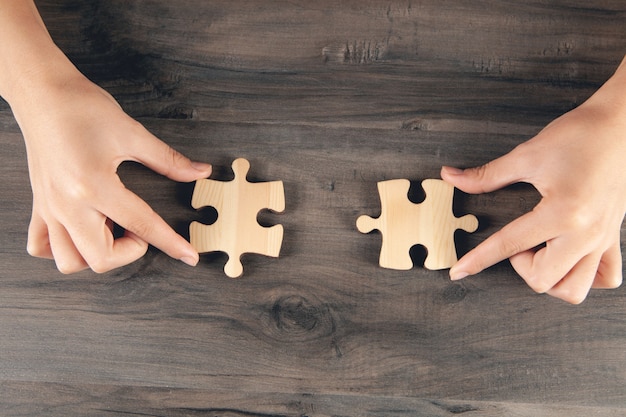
<point>160,157</point>
<point>499,173</point>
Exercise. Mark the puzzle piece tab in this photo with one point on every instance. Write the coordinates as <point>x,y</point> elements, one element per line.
<point>404,224</point>
<point>236,230</point>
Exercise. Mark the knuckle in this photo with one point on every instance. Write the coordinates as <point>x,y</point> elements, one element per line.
<point>610,282</point>
<point>174,156</point>
<point>101,265</point>
<point>143,227</point>
<point>508,247</point>
<point>70,266</point>
<point>173,159</point>
<point>37,249</point>
<point>481,172</point>
<point>571,294</point>
<point>615,282</point>
<point>579,218</point>
<point>81,191</point>
<point>538,284</point>
<point>482,175</point>
<point>575,298</point>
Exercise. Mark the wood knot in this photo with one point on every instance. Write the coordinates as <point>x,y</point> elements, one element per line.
<point>454,293</point>
<point>294,318</point>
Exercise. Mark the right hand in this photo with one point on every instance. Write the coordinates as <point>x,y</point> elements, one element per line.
<point>570,242</point>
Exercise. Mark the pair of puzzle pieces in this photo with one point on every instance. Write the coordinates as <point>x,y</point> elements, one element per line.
<point>402,223</point>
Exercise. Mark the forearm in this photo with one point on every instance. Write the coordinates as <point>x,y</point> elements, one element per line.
<point>29,59</point>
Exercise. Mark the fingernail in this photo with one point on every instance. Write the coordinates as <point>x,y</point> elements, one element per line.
<point>453,170</point>
<point>457,275</point>
<point>189,260</point>
<point>201,166</point>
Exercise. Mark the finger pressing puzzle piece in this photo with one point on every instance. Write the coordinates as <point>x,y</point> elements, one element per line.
<point>236,230</point>
<point>404,224</point>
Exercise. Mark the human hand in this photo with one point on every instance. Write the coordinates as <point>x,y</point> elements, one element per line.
<point>570,242</point>
<point>76,136</point>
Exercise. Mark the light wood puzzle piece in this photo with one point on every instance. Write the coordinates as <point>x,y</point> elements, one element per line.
<point>236,230</point>
<point>404,224</point>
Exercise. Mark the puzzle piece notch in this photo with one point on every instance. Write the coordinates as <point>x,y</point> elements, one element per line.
<point>404,224</point>
<point>236,230</point>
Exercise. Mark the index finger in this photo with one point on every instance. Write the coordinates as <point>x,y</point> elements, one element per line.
<point>522,234</point>
<point>135,215</point>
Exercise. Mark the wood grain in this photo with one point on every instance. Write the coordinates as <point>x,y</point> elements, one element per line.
<point>330,97</point>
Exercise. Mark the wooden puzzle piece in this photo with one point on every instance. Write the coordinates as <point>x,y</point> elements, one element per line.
<point>404,224</point>
<point>236,230</point>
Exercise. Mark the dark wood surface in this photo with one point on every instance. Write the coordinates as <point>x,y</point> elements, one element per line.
<point>329,97</point>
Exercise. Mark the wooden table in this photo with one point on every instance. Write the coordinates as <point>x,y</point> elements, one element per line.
<point>330,97</point>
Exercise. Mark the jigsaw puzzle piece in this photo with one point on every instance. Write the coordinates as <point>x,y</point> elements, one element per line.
<point>404,224</point>
<point>236,230</point>
<point>394,224</point>
<point>438,224</point>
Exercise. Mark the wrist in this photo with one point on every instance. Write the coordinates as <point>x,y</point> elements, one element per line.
<point>30,61</point>
<point>37,90</point>
<point>609,101</point>
<point>47,73</point>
